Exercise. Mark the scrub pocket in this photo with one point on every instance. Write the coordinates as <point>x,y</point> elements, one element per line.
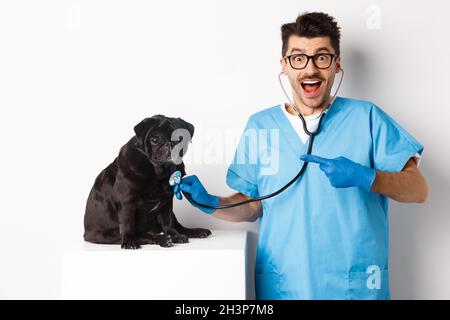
<point>369,286</point>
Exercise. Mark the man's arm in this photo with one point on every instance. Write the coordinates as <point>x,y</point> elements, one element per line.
<point>247,212</point>
<point>407,185</point>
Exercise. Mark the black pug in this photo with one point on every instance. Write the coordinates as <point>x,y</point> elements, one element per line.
<point>131,201</point>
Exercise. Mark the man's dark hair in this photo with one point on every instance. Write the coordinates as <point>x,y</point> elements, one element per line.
<point>311,25</point>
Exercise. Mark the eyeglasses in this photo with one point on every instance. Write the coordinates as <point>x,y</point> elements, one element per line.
<point>300,61</point>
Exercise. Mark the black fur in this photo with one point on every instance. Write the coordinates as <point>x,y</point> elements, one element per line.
<point>131,201</point>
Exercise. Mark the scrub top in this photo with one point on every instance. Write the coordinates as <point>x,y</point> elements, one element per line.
<point>316,241</point>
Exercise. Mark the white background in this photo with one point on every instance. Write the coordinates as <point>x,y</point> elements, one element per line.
<point>76,76</point>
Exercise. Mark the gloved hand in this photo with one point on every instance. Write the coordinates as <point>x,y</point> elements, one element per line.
<point>343,172</point>
<point>193,186</point>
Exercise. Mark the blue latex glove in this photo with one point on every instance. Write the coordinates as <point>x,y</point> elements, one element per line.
<point>343,172</point>
<point>193,186</point>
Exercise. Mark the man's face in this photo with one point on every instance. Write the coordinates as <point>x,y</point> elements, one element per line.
<point>311,86</point>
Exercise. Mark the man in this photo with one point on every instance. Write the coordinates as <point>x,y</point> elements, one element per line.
<point>326,236</point>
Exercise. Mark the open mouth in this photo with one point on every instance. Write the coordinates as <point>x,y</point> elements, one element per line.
<point>311,87</point>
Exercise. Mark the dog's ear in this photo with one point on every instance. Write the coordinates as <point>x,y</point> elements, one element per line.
<point>145,126</point>
<point>186,125</point>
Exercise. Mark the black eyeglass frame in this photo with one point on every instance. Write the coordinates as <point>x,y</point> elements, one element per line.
<point>333,56</point>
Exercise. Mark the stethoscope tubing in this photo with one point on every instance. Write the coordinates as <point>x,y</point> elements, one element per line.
<point>299,174</point>
<point>311,135</point>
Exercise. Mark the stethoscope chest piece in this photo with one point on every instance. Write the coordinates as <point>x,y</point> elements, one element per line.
<point>175,178</point>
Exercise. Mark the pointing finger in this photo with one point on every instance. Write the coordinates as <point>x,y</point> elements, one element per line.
<point>315,159</point>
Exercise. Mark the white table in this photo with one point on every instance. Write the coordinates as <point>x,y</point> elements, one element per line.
<point>209,268</point>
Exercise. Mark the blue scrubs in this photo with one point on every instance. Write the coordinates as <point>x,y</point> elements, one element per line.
<point>316,241</point>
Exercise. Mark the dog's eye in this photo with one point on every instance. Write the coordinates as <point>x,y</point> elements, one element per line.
<point>154,140</point>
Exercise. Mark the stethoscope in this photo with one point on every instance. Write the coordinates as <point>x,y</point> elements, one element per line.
<point>175,178</point>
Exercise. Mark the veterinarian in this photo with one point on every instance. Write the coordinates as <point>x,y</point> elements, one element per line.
<point>326,236</point>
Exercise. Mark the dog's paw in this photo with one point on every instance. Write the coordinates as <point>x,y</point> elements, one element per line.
<point>199,233</point>
<point>166,241</point>
<point>180,238</point>
<point>129,242</point>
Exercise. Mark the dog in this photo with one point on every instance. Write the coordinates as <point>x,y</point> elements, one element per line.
<point>131,200</point>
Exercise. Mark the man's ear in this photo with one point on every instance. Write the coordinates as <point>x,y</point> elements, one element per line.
<point>338,65</point>
<point>145,126</point>
<point>283,66</point>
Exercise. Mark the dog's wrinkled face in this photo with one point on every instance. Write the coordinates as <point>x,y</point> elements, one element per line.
<point>164,139</point>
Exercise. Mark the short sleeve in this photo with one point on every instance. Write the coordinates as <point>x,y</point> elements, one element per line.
<point>242,172</point>
<point>393,146</point>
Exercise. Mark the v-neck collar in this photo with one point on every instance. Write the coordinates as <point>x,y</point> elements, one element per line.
<point>289,132</point>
